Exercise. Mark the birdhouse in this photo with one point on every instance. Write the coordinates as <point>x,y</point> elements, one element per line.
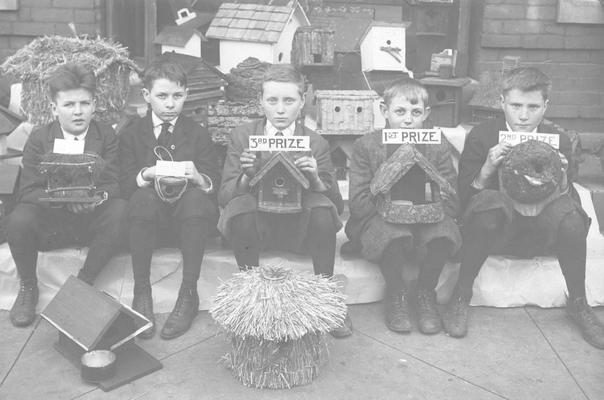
<point>446,99</point>
<point>407,188</point>
<point>256,30</point>
<point>383,47</point>
<point>313,46</point>
<point>345,112</point>
<point>90,320</point>
<point>183,38</point>
<point>71,178</point>
<point>279,185</point>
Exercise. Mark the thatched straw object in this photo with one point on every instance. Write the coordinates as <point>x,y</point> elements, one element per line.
<point>33,64</point>
<point>276,320</point>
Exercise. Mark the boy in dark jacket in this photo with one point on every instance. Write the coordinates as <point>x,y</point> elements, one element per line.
<point>36,225</point>
<point>164,132</point>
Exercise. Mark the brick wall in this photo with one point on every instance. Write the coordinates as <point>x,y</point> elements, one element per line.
<point>48,17</point>
<point>571,54</point>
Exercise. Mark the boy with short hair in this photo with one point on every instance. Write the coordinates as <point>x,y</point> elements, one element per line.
<point>405,105</point>
<point>193,215</point>
<point>35,225</point>
<point>249,230</point>
<point>493,226</point>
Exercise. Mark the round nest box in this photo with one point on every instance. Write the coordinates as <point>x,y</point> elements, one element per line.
<point>531,172</point>
<point>277,319</point>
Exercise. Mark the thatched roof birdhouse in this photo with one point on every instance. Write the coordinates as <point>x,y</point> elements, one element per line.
<point>276,319</point>
<point>280,185</point>
<point>35,62</point>
<point>394,204</point>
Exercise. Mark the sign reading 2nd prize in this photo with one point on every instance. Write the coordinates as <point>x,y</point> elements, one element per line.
<point>279,143</point>
<point>515,138</point>
<point>412,136</point>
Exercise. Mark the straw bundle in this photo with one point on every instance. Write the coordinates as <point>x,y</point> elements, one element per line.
<point>34,63</point>
<point>276,320</point>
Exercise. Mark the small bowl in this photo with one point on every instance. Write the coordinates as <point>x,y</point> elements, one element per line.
<point>97,365</point>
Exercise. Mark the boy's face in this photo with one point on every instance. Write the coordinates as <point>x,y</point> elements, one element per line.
<point>523,110</point>
<point>166,98</point>
<point>74,109</point>
<point>281,102</point>
<point>402,113</point>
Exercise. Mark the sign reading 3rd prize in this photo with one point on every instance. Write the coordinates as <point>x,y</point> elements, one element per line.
<point>411,136</point>
<point>279,143</point>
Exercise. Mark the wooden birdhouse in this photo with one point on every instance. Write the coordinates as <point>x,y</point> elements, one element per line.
<point>345,112</point>
<point>90,320</point>
<point>446,99</point>
<point>184,38</point>
<point>313,46</point>
<point>71,178</point>
<point>383,47</point>
<point>279,185</point>
<point>407,188</point>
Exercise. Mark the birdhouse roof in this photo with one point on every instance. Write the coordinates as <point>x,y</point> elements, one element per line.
<point>348,30</point>
<point>179,35</point>
<point>252,22</point>
<point>398,164</point>
<point>378,24</point>
<point>289,166</point>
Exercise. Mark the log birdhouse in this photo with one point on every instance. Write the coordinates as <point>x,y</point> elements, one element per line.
<point>407,188</point>
<point>313,46</point>
<point>345,112</point>
<point>383,47</point>
<point>90,320</point>
<point>279,184</point>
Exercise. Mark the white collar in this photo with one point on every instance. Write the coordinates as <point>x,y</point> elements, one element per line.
<point>157,121</point>
<point>510,128</point>
<point>69,136</point>
<point>270,130</point>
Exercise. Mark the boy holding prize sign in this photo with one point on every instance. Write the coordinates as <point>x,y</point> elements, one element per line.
<point>398,165</point>
<point>519,199</point>
<point>250,229</point>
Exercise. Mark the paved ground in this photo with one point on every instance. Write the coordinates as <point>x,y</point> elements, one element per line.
<point>521,353</point>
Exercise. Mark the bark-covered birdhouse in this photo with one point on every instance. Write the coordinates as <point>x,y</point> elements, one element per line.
<point>313,46</point>
<point>279,184</point>
<point>383,47</point>
<point>71,178</point>
<point>408,188</point>
<point>345,112</point>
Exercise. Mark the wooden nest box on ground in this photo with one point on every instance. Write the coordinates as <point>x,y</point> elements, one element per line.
<point>280,185</point>
<point>313,46</point>
<point>345,112</point>
<point>420,200</point>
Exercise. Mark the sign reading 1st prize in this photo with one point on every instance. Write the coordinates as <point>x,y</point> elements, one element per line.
<point>515,138</point>
<point>279,143</point>
<point>411,136</point>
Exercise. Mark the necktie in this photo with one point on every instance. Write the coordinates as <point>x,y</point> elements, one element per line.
<point>279,133</point>
<point>164,136</point>
<point>76,138</point>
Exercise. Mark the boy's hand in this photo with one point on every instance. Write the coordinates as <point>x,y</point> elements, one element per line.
<point>80,208</point>
<point>494,158</point>
<point>192,174</point>
<point>307,164</point>
<point>149,173</point>
<point>247,160</point>
<point>564,161</point>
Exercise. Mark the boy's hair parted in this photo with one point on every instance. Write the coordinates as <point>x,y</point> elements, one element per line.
<point>164,69</point>
<point>71,76</point>
<point>286,73</point>
<point>412,89</point>
<point>527,79</point>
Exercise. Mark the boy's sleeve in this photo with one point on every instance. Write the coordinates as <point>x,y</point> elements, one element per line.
<point>447,170</point>
<point>361,200</point>
<point>109,179</point>
<point>327,173</point>
<point>471,161</point>
<point>231,172</point>
<point>128,166</point>
<point>32,183</point>
<point>207,161</point>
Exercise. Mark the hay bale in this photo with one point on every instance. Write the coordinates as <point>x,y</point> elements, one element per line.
<point>33,64</point>
<point>276,320</point>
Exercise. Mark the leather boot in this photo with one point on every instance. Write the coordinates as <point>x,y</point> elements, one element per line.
<point>23,311</point>
<point>456,316</point>
<point>397,311</point>
<point>344,330</point>
<point>428,317</point>
<point>143,303</point>
<point>185,310</point>
<point>588,322</point>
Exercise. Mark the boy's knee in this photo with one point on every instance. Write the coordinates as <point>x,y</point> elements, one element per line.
<point>22,220</point>
<point>321,219</point>
<point>143,205</point>
<point>573,226</point>
<point>243,224</point>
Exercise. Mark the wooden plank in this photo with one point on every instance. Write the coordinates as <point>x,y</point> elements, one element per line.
<point>463,38</point>
<point>150,29</point>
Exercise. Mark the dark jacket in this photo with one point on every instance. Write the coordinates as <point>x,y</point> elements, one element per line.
<point>476,149</point>
<point>100,139</point>
<point>191,141</point>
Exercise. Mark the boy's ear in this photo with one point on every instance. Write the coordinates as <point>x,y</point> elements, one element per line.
<point>146,94</point>
<point>383,108</point>
<point>53,108</point>
<point>502,101</point>
<point>427,111</point>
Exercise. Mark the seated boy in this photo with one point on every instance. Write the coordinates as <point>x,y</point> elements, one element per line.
<point>36,225</point>
<point>315,227</point>
<point>404,105</point>
<point>492,225</point>
<point>165,133</point>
